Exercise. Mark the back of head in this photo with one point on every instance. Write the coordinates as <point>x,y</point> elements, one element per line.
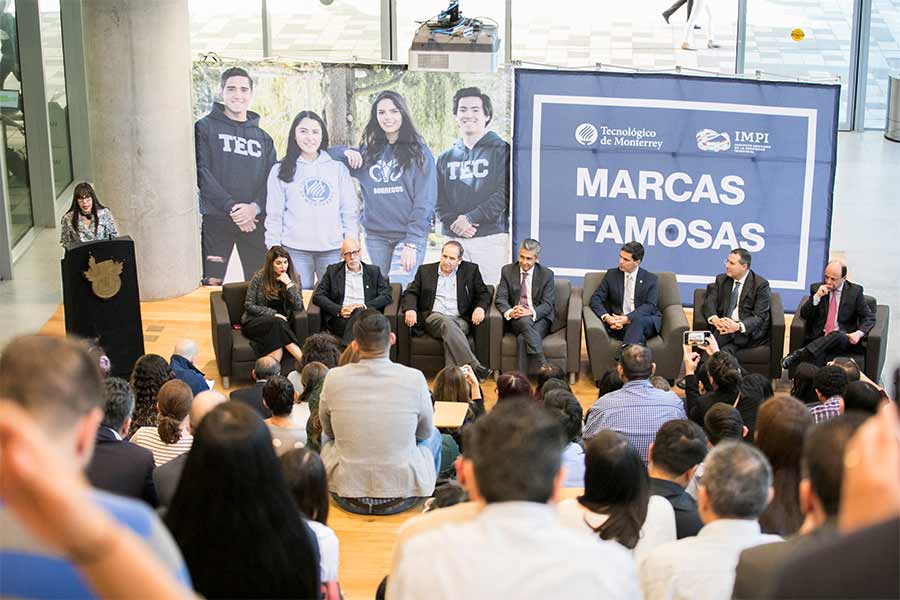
<point>637,362</point>
<point>565,408</point>
<point>830,380</point>
<point>551,385</point>
<point>321,347</point>
<point>737,478</point>
<point>679,446</point>
<point>174,401</point>
<point>660,383</point>
<point>266,367</point>
<point>851,369</point>
<point>609,382</point>
<point>823,457</point>
<point>278,394</point>
<point>516,452</point>
<point>723,422</point>
<point>58,396</point>
<point>862,396</point>
<point>150,372</point>
<point>549,371</point>
<point>312,377</point>
<point>754,389</point>
<point>513,385</point>
<point>186,348</point>
<point>202,403</point>
<point>307,481</point>
<point>372,332</point>
<point>450,385</point>
<point>802,385</point>
<point>118,402</point>
<point>724,371</point>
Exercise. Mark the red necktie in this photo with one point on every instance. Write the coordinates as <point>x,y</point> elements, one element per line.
<point>831,319</point>
<point>523,292</point>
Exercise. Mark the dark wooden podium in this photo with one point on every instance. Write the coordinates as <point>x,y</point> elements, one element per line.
<point>101,299</point>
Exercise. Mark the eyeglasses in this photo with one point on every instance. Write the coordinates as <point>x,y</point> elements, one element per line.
<point>350,253</point>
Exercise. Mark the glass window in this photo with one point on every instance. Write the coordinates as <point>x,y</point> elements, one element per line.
<point>57,105</point>
<point>411,14</point>
<point>326,30</point>
<point>230,28</point>
<point>884,58</point>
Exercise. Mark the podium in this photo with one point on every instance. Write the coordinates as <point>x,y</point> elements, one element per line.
<point>101,299</point>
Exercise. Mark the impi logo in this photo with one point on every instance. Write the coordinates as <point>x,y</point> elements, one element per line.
<point>586,134</point>
<point>713,141</point>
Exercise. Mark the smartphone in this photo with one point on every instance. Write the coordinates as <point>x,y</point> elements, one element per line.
<point>697,338</point>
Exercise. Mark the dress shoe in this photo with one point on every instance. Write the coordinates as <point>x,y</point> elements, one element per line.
<point>791,359</point>
<point>666,17</point>
<point>697,27</point>
<point>482,373</point>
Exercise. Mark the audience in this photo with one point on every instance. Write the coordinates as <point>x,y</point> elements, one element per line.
<point>233,516</point>
<point>182,362</point>
<point>549,386</point>
<point>733,493</point>
<point>321,347</point>
<point>118,466</point>
<point>638,410</point>
<point>349,356</point>
<point>802,385</point>
<point>452,384</point>
<point>287,425</point>
<point>564,406</point>
<point>754,389</point>
<point>264,368</point>
<point>863,397</point>
<point>150,372</point>
<point>660,383</point>
<point>515,546</point>
<point>172,436</point>
<point>781,426</point>
<point>308,485</point>
<point>616,504</point>
<point>609,382</point>
<point>722,422</point>
<point>830,383</point>
<point>550,371</point>
<point>513,385</point>
<point>851,369</point>
<point>312,378</point>
<point>677,450</point>
<point>724,375</point>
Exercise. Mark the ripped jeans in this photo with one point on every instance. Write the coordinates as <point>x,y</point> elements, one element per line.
<point>218,236</point>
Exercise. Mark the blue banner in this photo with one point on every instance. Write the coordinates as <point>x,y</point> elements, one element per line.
<point>691,167</point>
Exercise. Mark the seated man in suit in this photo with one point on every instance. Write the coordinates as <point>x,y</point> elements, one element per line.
<point>627,298</point>
<point>348,288</point>
<point>737,305</point>
<point>837,318</point>
<point>526,296</point>
<point>265,367</point>
<point>443,298</point>
<point>118,466</point>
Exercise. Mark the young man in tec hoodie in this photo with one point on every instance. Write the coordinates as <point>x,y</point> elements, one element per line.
<point>473,186</point>
<point>234,156</point>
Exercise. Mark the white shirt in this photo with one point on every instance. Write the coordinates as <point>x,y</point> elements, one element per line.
<point>735,314</point>
<point>701,567</point>
<point>329,550</point>
<point>512,550</point>
<point>445,301</point>
<point>839,290</point>
<point>659,527</point>
<point>354,290</point>
<point>529,277</point>
<point>628,302</point>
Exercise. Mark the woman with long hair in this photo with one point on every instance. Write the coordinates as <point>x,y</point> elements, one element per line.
<point>311,205</point>
<point>453,384</point>
<point>172,435</point>
<point>313,377</point>
<point>86,220</point>
<point>616,504</point>
<point>272,298</point>
<point>149,374</point>
<point>396,172</point>
<point>564,407</point>
<point>233,517</point>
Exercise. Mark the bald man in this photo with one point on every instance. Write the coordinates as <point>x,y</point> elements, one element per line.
<point>347,288</point>
<point>837,318</point>
<point>183,357</point>
<point>166,477</point>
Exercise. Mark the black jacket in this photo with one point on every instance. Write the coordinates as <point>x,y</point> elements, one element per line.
<point>252,397</point>
<point>123,468</point>
<point>329,294</point>
<point>471,292</point>
<point>610,295</point>
<point>853,312</point>
<point>696,405</point>
<point>754,306</point>
<point>166,478</point>
<point>687,519</point>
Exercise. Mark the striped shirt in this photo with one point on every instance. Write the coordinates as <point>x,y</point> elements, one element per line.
<point>829,409</point>
<point>148,437</point>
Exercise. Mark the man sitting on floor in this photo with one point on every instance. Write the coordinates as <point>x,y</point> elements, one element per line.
<point>265,367</point>
<point>182,362</point>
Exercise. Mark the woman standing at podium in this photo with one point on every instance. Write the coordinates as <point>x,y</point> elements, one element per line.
<point>272,297</point>
<point>87,219</point>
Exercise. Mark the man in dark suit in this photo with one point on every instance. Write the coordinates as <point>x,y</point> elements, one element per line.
<point>264,368</point>
<point>737,304</point>
<point>118,466</point>
<point>677,450</point>
<point>526,296</point>
<point>348,288</point>
<point>837,318</point>
<point>443,298</point>
<point>626,300</point>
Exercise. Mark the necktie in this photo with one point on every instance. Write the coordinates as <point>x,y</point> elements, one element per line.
<point>735,296</point>
<point>831,319</point>
<point>628,304</point>
<point>523,292</point>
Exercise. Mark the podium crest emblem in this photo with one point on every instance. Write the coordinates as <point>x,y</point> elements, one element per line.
<point>105,277</point>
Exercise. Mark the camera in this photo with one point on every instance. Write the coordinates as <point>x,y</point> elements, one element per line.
<point>697,338</point>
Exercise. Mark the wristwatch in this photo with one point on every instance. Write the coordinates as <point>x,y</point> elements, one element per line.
<point>410,246</point>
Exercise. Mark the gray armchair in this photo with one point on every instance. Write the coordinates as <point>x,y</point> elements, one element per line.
<point>666,347</point>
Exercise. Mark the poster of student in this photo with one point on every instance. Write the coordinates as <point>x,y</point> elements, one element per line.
<point>305,155</point>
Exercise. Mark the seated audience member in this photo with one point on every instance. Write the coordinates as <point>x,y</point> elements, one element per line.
<point>287,425</point>
<point>549,386</point>
<point>863,397</point>
<point>862,563</point>
<point>61,408</point>
<point>820,496</point>
<point>734,491</point>
<point>638,409</point>
<point>383,451</point>
<point>851,369</point>
<point>513,385</point>
<point>722,422</point>
<point>182,362</point>
<point>453,384</point>
<point>312,378</point>
<point>172,436</point>
<point>564,406</point>
<point>753,390</point>
<point>118,466</point>
<point>616,504</point>
<point>609,382</point>
<point>264,368</point>
<point>150,372</point>
<point>230,549</point>
<point>660,383</point>
<point>167,477</point>
<point>98,353</point>
<point>724,375</point>
<point>830,383</point>
<point>349,356</point>
<point>803,387</point>
<point>549,371</point>
<point>677,450</point>
<point>321,347</point>
<point>781,426</point>
<point>512,465</point>
<point>308,485</point>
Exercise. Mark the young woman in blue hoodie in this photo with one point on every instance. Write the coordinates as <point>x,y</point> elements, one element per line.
<point>311,204</point>
<point>395,170</point>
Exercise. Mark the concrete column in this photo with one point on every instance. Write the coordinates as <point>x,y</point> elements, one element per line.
<point>138,61</point>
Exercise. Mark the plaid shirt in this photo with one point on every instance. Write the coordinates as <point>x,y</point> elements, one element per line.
<point>830,409</point>
<point>636,411</point>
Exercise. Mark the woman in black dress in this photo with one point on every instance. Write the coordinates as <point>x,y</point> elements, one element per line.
<point>272,298</point>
